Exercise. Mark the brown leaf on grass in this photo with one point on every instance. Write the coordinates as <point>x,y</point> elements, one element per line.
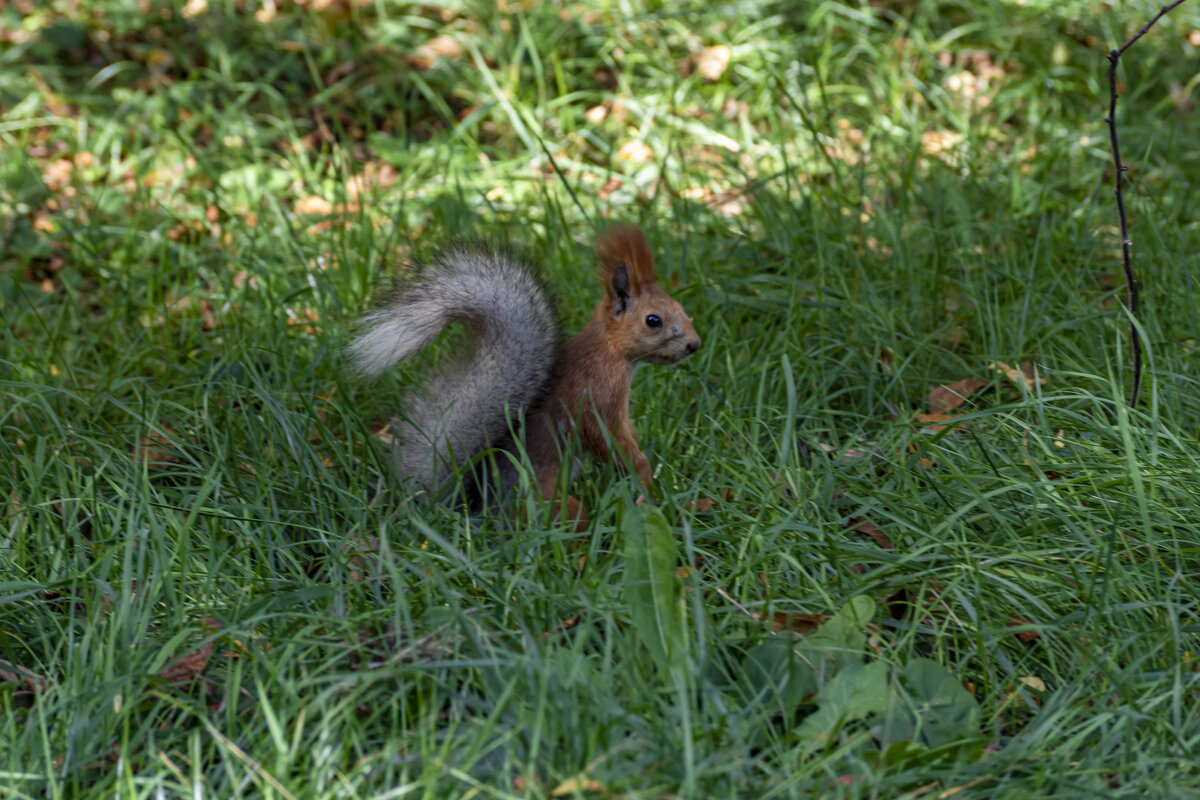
<point>340,71</point>
<point>897,604</point>
<point>26,680</point>
<point>729,204</point>
<point>42,223</point>
<point>864,525</point>
<point>885,360</point>
<point>358,549</point>
<point>708,503</point>
<point>58,174</point>
<point>596,114</point>
<point>635,151</point>
<point>313,205</point>
<point>441,644</point>
<point>1025,636</point>
<point>732,109</point>
<point>573,786</point>
<point>186,669</point>
<point>849,453</point>
<point>565,625</point>
<point>792,621</point>
<point>610,186</point>
<point>713,61</point>
<point>383,432</point>
<point>939,143</point>
<point>156,449</point>
<point>428,54</point>
<point>73,516</point>
<point>1025,377</point>
<point>948,397</point>
<point>936,423</point>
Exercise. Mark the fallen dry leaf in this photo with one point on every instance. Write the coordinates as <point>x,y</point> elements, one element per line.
<point>610,186</point>
<point>58,174</point>
<point>428,54</point>
<point>576,785</point>
<point>712,63</point>
<point>849,453</point>
<point>358,549</point>
<point>936,423</point>
<point>635,151</point>
<point>864,525</point>
<point>313,205</point>
<point>156,449</point>
<point>1024,636</point>
<point>565,625</point>
<point>728,204</point>
<point>897,604</point>
<point>187,668</point>
<point>948,397</point>
<point>194,8</point>
<point>1025,376</point>
<point>1037,684</point>
<point>936,143</point>
<point>383,433</point>
<point>885,359</point>
<point>732,109</point>
<point>792,621</point>
<point>25,680</point>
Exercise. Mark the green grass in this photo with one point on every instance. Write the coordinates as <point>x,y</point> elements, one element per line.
<point>870,201</point>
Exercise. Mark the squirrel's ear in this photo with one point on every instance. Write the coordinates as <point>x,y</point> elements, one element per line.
<point>626,246</point>
<point>618,283</point>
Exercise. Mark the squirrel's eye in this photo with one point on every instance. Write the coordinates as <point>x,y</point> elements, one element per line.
<point>652,321</point>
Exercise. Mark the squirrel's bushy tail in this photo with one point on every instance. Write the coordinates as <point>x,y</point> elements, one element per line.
<point>469,404</point>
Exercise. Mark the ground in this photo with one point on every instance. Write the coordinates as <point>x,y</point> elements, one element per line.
<point>910,539</point>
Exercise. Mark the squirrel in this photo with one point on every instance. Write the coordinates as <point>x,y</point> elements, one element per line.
<point>517,372</point>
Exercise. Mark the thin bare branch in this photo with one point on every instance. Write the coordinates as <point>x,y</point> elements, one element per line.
<point>1135,339</point>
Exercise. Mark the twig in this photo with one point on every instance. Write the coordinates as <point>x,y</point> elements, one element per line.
<point>1135,339</point>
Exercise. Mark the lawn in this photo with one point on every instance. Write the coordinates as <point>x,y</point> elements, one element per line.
<point>944,555</point>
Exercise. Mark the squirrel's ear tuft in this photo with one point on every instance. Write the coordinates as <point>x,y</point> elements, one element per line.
<point>618,284</point>
<point>625,245</point>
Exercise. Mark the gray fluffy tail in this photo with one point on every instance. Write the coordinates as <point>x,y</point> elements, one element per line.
<point>467,406</point>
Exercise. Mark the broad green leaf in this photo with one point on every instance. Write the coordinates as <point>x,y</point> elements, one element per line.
<point>854,693</point>
<point>947,711</point>
<point>840,642</point>
<point>252,181</point>
<point>772,665</point>
<point>651,588</point>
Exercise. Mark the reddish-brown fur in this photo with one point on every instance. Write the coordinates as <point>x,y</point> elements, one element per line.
<point>591,397</point>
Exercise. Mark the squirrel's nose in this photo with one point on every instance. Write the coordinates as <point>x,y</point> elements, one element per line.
<point>693,346</point>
